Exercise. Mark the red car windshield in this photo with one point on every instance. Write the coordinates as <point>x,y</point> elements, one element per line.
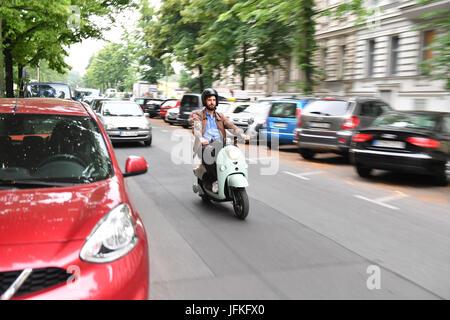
<point>51,150</point>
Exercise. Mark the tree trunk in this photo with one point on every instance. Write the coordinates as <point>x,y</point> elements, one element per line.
<point>9,76</point>
<point>244,66</point>
<point>2,78</point>
<point>20,76</point>
<point>200,79</point>
<point>308,44</point>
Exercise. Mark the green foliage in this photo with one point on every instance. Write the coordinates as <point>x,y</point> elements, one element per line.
<point>112,67</point>
<point>438,66</point>
<point>174,31</point>
<point>35,30</point>
<point>187,80</point>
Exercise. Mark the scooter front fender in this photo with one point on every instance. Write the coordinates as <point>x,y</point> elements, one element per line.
<point>237,181</point>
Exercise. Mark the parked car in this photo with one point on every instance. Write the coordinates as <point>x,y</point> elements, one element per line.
<point>68,227</point>
<point>96,102</point>
<point>235,108</point>
<point>125,121</point>
<point>190,103</point>
<point>153,107</point>
<point>143,101</point>
<point>327,125</point>
<point>416,141</point>
<point>86,94</point>
<point>282,120</point>
<point>166,105</point>
<point>172,115</point>
<point>48,90</point>
<point>110,92</point>
<point>252,118</point>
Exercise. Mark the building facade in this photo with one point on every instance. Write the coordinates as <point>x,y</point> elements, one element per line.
<point>379,57</point>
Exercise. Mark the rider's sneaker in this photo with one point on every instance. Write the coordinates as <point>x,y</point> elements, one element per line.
<point>215,187</point>
<point>197,170</point>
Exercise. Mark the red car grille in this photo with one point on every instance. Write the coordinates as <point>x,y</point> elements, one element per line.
<point>39,279</point>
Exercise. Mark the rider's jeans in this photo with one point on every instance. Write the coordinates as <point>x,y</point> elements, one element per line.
<point>209,157</point>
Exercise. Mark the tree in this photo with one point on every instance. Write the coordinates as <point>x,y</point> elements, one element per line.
<point>168,33</point>
<point>438,65</point>
<point>112,67</point>
<point>300,16</point>
<point>35,30</point>
<point>226,40</point>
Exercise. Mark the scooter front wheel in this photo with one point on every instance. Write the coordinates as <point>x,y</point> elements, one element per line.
<point>240,203</point>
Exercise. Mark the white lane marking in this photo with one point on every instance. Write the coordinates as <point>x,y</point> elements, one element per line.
<point>302,176</point>
<point>382,201</point>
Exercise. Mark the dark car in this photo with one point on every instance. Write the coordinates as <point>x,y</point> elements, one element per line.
<point>143,101</point>
<point>48,90</point>
<point>153,107</point>
<point>416,141</point>
<point>190,103</point>
<point>327,125</point>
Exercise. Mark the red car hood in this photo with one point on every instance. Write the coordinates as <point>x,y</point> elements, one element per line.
<point>55,214</point>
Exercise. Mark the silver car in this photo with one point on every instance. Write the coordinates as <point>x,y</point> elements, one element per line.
<point>252,118</point>
<point>327,125</point>
<point>124,121</point>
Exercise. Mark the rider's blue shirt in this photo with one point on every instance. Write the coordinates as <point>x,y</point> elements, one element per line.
<point>211,132</point>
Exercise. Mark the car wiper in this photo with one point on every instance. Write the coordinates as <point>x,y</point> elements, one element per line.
<point>32,183</point>
<point>128,115</point>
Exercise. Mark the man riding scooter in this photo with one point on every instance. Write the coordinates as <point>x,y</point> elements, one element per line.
<point>210,135</point>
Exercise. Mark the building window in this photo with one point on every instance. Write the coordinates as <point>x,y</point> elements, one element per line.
<point>370,57</point>
<point>342,67</point>
<point>394,55</point>
<point>324,62</point>
<point>428,38</point>
<point>420,104</point>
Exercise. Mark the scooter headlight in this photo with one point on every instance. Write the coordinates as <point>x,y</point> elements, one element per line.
<point>233,153</point>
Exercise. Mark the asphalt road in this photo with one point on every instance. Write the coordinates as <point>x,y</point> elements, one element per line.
<point>315,230</point>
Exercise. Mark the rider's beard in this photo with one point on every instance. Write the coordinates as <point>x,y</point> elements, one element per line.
<point>210,107</point>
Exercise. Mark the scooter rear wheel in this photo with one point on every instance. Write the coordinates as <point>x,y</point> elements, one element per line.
<point>240,203</point>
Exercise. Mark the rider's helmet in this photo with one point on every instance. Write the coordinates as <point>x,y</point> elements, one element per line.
<point>207,93</point>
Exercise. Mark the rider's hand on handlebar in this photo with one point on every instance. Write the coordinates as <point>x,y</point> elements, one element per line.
<point>204,142</point>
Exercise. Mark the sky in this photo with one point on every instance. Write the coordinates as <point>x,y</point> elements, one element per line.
<point>80,53</point>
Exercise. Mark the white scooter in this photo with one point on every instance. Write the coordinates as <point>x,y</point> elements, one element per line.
<point>232,179</point>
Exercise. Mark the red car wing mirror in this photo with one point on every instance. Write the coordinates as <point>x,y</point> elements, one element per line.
<point>135,166</point>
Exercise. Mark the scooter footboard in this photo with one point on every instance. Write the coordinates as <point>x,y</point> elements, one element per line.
<point>237,181</point>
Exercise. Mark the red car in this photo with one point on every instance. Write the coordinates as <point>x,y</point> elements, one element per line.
<point>67,227</point>
<point>166,105</point>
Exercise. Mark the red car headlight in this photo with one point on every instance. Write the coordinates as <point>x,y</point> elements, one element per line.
<point>112,238</point>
